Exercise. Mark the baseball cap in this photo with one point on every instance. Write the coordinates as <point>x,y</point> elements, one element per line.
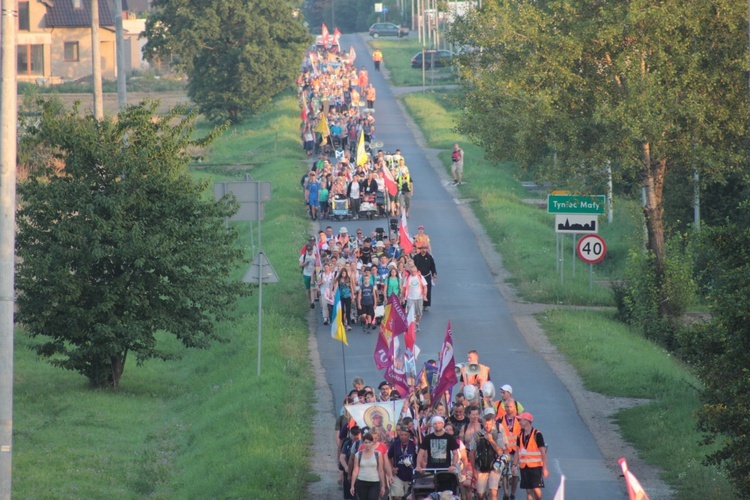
<point>507,388</point>
<point>526,416</point>
<point>420,227</point>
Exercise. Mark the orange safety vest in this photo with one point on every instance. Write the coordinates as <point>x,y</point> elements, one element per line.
<point>530,455</point>
<point>484,376</point>
<point>511,435</point>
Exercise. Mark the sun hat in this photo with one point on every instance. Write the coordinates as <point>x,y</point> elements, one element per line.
<point>526,416</point>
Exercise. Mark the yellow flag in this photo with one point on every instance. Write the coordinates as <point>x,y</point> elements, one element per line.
<point>322,127</point>
<point>361,154</point>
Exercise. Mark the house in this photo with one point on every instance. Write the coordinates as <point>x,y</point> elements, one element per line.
<point>54,40</point>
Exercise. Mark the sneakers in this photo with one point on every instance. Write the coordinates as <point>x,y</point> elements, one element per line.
<point>325,322</point>
<point>454,183</point>
<point>349,328</point>
<point>418,327</point>
<point>312,305</point>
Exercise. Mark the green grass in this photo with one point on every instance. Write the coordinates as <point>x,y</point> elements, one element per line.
<point>616,361</point>
<point>523,233</point>
<point>397,56</point>
<point>206,426</point>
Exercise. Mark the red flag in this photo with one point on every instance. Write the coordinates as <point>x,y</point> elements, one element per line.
<point>404,238</point>
<point>324,32</point>
<point>303,114</point>
<point>336,35</point>
<point>447,367</point>
<point>390,182</point>
<point>411,336</point>
<point>635,490</point>
<point>393,325</point>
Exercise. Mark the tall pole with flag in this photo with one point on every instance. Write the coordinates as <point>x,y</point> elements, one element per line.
<point>361,153</point>
<point>446,367</point>
<point>404,238</point>
<point>338,332</point>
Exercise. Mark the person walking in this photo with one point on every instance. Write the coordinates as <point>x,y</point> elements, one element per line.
<point>531,457</point>
<point>426,266</point>
<point>487,444</point>
<point>307,263</point>
<point>377,58</point>
<point>370,96</point>
<point>403,456</point>
<point>368,477</point>
<point>457,168</point>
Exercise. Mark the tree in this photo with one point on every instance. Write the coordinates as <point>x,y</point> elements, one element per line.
<point>237,54</point>
<point>117,242</point>
<point>563,87</point>
<point>721,348</point>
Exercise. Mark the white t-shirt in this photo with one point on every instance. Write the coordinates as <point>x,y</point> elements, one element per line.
<point>415,290</point>
<point>308,260</point>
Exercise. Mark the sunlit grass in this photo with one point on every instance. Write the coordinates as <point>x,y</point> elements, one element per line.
<point>616,361</point>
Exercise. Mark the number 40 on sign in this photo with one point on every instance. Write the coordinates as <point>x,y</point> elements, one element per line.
<point>591,248</point>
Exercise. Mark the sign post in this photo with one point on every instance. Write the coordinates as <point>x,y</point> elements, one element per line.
<point>591,249</point>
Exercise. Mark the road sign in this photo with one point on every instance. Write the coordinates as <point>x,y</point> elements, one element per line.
<point>591,248</point>
<point>575,204</point>
<point>245,192</point>
<point>260,267</point>
<point>575,224</point>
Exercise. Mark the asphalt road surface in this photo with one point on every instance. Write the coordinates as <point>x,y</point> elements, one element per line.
<point>466,295</point>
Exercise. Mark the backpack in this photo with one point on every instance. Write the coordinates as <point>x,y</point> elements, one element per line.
<point>485,454</point>
<point>455,156</point>
<point>350,455</point>
<point>346,449</point>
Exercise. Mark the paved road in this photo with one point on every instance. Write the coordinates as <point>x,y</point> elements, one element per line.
<point>480,318</point>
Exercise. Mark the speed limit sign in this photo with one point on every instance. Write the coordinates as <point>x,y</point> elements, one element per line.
<point>591,248</point>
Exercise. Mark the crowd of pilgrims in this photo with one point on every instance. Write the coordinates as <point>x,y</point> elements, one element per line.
<point>468,434</point>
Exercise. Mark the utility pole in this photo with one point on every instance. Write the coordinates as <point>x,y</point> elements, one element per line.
<point>122,90</point>
<point>96,61</point>
<point>8,125</point>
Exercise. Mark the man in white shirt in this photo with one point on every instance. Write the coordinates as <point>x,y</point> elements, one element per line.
<point>414,290</point>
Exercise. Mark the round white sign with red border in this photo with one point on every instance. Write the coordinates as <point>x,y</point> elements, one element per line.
<point>591,248</point>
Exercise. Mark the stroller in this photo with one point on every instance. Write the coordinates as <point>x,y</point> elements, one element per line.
<point>430,483</point>
<point>340,207</point>
<point>368,208</point>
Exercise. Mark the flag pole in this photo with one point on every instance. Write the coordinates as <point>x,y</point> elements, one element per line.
<point>343,358</point>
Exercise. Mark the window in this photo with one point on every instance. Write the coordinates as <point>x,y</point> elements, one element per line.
<point>31,60</point>
<point>23,15</point>
<point>71,51</point>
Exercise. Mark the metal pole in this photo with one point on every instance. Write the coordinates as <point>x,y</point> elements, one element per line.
<point>591,278</point>
<point>609,191</point>
<point>96,61</point>
<point>562,258</point>
<point>8,123</point>
<point>333,18</point>
<point>574,254</point>
<point>557,252</point>
<point>343,357</point>
<point>696,202</point>
<point>122,91</point>
<point>260,280</point>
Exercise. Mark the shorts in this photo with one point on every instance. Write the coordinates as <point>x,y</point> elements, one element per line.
<point>417,304</point>
<point>457,166</point>
<point>487,479</point>
<point>405,200</point>
<point>531,478</point>
<point>399,488</point>
<point>368,310</point>
<point>307,280</point>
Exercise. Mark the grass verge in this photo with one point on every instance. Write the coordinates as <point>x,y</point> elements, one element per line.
<point>523,232</point>
<point>206,426</point>
<point>610,358</point>
<point>615,361</point>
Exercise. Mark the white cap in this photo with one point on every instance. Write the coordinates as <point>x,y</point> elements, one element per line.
<point>507,388</point>
<point>489,411</point>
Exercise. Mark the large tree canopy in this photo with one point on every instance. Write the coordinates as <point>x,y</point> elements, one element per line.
<point>117,242</point>
<point>237,54</point>
<point>563,87</point>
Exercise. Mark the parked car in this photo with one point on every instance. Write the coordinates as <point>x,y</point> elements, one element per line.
<point>387,29</point>
<point>438,58</point>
